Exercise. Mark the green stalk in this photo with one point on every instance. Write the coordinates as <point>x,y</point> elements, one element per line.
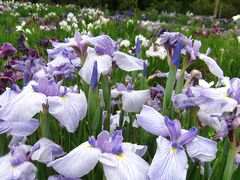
<point>169,89</point>
<point>180,82</point>
<point>107,100</point>
<point>229,168</point>
<point>45,126</point>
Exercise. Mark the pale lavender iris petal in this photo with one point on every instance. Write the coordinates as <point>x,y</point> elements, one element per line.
<point>152,121</point>
<point>168,162</point>
<point>24,106</point>
<point>7,96</point>
<point>187,137</point>
<point>134,148</point>
<point>19,128</point>
<point>127,166</point>
<point>133,100</point>
<point>68,109</point>
<point>102,41</point>
<point>212,66</point>
<point>47,151</point>
<point>127,62</point>
<point>104,63</point>
<point>60,177</point>
<point>77,163</point>
<point>174,128</point>
<point>202,149</point>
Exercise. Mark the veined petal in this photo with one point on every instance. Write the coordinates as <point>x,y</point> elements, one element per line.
<point>127,62</point>
<point>134,148</point>
<point>202,149</point>
<point>68,109</point>
<point>26,170</point>
<point>60,177</point>
<point>7,96</point>
<point>59,61</point>
<point>127,166</point>
<point>168,163</point>
<point>152,121</point>
<point>207,120</point>
<point>212,66</point>
<point>47,151</point>
<point>77,163</point>
<point>24,106</point>
<point>104,65</point>
<point>19,128</point>
<point>133,100</point>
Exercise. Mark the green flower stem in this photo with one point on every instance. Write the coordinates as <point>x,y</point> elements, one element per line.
<point>107,100</point>
<point>229,168</point>
<point>45,125</point>
<point>169,89</point>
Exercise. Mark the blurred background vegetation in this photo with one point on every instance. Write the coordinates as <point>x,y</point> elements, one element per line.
<point>224,8</point>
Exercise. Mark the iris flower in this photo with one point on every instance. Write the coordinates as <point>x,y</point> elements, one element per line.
<point>170,161</point>
<point>132,100</point>
<point>120,160</point>
<point>67,107</point>
<point>17,164</point>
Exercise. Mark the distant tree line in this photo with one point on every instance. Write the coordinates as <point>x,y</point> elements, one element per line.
<point>219,8</point>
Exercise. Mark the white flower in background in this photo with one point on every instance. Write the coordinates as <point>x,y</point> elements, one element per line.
<point>90,26</point>
<point>157,51</point>
<point>83,23</point>
<point>125,43</point>
<point>236,18</point>
<point>28,31</point>
<point>143,40</point>
<point>19,28</point>
<point>238,39</point>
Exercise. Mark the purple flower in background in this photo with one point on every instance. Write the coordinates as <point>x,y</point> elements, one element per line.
<point>67,107</point>
<point>120,160</point>
<point>138,47</point>
<point>171,141</point>
<point>7,49</point>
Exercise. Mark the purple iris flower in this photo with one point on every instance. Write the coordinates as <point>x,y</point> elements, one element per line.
<point>212,102</point>
<point>7,77</point>
<point>175,60</point>
<point>94,78</point>
<point>138,48</point>
<point>120,160</point>
<point>7,49</point>
<point>172,142</point>
<point>132,100</point>
<point>29,66</point>
<point>66,106</point>
<point>17,164</point>
<point>234,90</point>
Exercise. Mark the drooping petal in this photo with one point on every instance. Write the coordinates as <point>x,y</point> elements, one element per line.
<point>212,66</point>
<point>207,119</point>
<point>137,149</point>
<point>68,109</point>
<point>127,165</point>
<point>7,96</point>
<point>152,121</point>
<point>24,106</point>
<point>26,170</point>
<point>19,128</point>
<point>202,149</point>
<point>168,163</point>
<point>47,151</point>
<point>127,62</point>
<point>78,162</point>
<point>104,65</point>
<point>60,177</point>
<point>133,100</point>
